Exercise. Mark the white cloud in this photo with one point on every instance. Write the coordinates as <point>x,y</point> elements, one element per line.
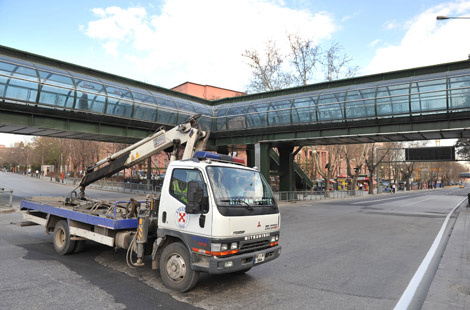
<point>427,41</point>
<point>391,24</point>
<point>111,48</point>
<point>200,41</point>
<point>374,43</point>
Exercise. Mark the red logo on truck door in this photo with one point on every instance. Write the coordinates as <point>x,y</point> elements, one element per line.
<point>259,224</point>
<point>181,217</point>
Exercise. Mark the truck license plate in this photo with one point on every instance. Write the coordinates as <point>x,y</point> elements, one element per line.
<point>259,258</point>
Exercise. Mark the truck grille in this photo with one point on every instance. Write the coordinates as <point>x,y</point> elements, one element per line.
<point>251,246</point>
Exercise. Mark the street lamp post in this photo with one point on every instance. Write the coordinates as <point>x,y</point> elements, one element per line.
<point>452,17</point>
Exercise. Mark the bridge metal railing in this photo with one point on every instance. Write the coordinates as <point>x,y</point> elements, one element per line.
<point>318,195</point>
<point>6,198</point>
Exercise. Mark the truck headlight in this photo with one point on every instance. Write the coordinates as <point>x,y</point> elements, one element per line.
<point>273,239</point>
<point>215,247</point>
<point>233,246</point>
<point>224,247</point>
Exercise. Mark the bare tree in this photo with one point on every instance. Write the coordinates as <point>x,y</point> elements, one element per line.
<point>271,70</point>
<point>267,70</point>
<point>372,163</point>
<point>356,154</point>
<point>407,171</point>
<point>336,64</point>
<point>333,159</point>
<point>305,56</point>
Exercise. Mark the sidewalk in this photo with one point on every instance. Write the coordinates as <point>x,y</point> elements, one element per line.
<point>450,288</point>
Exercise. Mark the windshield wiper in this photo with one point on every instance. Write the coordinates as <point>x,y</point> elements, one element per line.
<point>239,202</point>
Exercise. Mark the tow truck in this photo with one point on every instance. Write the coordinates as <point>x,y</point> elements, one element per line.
<point>213,214</point>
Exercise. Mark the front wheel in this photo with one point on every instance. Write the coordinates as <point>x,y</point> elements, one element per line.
<point>175,268</point>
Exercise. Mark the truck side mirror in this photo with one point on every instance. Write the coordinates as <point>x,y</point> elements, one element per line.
<point>195,193</point>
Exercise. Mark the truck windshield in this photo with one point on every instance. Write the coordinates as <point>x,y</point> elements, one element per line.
<point>239,187</point>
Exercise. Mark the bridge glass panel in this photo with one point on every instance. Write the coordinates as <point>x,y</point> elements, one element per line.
<point>56,96</point>
<point>91,96</point>
<point>257,116</point>
<point>459,95</point>
<point>185,110</point>
<point>56,79</point>
<point>279,112</point>
<point>145,106</point>
<point>360,103</point>
<point>56,89</point>
<point>393,100</point>
<point>220,119</point>
<point>236,117</point>
<point>119,101</point>
<point>5,70</point>
<point>18,82</point>
<point>206,112</point>
<point>305,110</point>
<point>331,106</point>
<point>167,110</point>
<point>16,61</point>
<point>429,96</point>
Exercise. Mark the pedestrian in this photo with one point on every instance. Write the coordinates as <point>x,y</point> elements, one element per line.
<point>393,188</point>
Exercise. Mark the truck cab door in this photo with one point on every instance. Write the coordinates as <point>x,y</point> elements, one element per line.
<point>174,201</point>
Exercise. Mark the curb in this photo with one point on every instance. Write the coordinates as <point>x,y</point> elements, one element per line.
<point>8,210</point>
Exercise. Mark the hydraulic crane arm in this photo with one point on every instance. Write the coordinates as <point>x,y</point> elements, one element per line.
<point>187,133</point>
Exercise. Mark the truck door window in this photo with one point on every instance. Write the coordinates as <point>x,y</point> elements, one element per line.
<point>179,183</point>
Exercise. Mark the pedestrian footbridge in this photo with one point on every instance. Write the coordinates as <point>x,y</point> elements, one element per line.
<point>47,97</point>
<point>43,96</point>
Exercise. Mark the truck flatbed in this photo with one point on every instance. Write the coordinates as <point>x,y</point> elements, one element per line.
<point>94,212</point>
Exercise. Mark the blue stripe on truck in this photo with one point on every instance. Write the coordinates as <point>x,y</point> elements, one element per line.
<point>80,217</point>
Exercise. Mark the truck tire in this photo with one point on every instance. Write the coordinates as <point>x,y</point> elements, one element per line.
<point>79,246</point>
<point>62,243</point>
<point>175,268</point>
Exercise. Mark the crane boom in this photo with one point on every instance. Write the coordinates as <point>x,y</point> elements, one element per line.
<point>187,133</point>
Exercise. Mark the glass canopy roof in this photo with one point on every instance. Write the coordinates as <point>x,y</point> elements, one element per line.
<point>23,82</point>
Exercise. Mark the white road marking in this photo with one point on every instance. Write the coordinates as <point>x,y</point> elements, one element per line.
<point>359,202</point>
<point>411,203</point>
<point>410,291</point>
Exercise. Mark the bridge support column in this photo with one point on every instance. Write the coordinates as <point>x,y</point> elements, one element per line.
<point>262,160</point>
<point>250,155</point>
<point>286,168</point>
<point>223,150</point>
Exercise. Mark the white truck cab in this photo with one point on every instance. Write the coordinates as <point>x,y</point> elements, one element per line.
<point>223,213</point>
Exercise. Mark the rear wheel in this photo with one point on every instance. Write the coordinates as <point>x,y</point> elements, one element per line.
<point>175,268</point>
<point>62,243</point>
<point>79,246</point>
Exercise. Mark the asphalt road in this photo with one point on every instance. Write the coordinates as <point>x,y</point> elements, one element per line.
<point>344,254</point>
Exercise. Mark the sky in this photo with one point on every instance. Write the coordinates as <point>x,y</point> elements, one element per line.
<point>170,42</point>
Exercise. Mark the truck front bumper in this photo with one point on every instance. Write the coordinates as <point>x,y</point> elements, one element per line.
<point>218,265</point>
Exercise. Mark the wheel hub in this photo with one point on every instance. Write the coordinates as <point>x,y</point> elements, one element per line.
<point>60,238</point>
<point>176,267</point>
